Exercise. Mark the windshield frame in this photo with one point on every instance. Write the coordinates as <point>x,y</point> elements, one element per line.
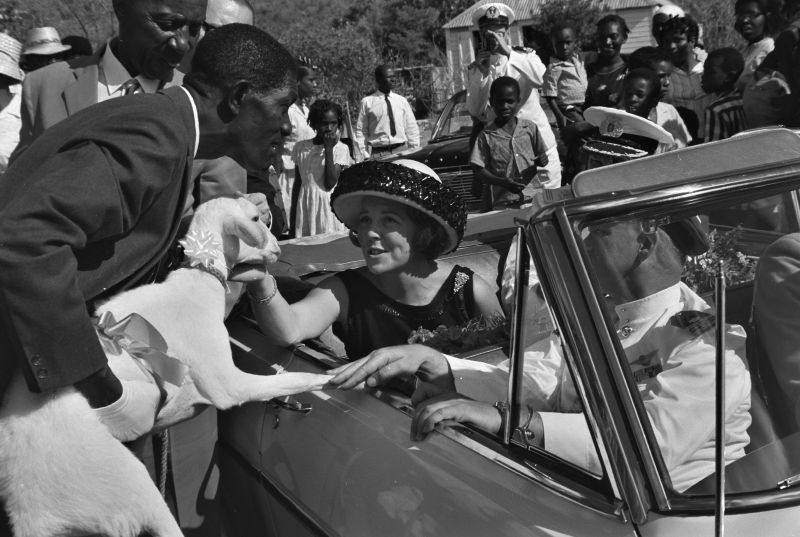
<point>684,199</point>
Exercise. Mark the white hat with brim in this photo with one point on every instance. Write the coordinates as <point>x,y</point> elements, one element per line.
<point>614,123</point>
<point>669,11</point>
<point>44,41</point>
<point>409,182</point>
<point>494,11</point>
<point>10,50</point>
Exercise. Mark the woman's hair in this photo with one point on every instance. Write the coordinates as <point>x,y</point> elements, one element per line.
<point>318,109</point>
<point>305,65</point>
<point>429,239</point>
<point>614,18</point>
<point>682,25</point>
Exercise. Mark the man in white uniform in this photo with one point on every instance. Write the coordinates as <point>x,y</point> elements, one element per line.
<point>497,58</point>
<point>667,332</point>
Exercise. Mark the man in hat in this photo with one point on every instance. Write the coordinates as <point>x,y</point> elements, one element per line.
<point>10,77</point>
<point>386,123</point>
<point>496,58</point>
<point>153,38</point>
<point>666,330</point>
<point>90,208</point>
<point>43,46</point>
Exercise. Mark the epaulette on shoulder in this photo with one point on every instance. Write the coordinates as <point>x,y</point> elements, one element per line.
<point>696,322</point>
<point>526,50</point>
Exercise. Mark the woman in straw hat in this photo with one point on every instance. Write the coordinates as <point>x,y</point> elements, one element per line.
<point>10,77</point>
<point>403,218</point>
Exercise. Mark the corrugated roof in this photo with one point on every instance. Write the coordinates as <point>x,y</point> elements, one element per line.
<point>527,9</point>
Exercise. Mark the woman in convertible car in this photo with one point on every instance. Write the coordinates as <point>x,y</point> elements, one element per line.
<point>402,217</point>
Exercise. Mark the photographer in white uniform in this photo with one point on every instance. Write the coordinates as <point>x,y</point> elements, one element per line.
<point>497,58</point>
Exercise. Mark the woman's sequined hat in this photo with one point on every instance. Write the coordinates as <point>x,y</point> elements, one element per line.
<point>406,181</point>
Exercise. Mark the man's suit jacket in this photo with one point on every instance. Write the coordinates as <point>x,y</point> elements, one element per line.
<point>776,302</point>
<point>87,211</point>
<point>53,93</point>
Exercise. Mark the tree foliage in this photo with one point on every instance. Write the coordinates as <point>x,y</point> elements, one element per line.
<point>93,19</point>
<point>583,14</point>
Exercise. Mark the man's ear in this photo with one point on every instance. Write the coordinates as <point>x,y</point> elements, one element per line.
<point>647,244</point>
<point>235,96</point>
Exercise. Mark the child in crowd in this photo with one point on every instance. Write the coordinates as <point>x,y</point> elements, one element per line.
<point>754,20</point>
<point>664,114</point>
<point>641,91</point>
<point>778,77</point>
<point>725,115</point>
<point>564,84</point>
<point>508,150</point>
<point>679,36</point>
<point>318,162</point>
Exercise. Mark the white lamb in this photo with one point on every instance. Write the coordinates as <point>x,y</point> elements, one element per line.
<point>61,470</point>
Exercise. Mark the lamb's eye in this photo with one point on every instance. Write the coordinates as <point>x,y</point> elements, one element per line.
<point>255,218</point>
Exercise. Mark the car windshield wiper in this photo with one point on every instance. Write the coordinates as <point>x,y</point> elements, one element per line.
<point>788,482</point>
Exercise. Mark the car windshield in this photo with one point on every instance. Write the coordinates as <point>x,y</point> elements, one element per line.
<point>656,276</point>
<point>455,120</point>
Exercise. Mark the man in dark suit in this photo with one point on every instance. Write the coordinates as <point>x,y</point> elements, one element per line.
<point>154,36</point>
<point>776,297</point>
<point>89,209</point>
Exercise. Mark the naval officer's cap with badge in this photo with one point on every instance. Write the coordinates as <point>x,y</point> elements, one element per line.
<point>493,14</point>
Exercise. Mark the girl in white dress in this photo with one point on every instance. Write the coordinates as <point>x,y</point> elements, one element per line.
<point>318,163</point>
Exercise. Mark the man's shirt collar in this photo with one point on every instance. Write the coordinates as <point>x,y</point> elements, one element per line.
<point>115,74</point>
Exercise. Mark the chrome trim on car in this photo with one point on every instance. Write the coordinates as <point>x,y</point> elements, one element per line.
<point>628,404</point>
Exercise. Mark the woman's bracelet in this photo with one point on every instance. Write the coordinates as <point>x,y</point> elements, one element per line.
<point>267,299</point>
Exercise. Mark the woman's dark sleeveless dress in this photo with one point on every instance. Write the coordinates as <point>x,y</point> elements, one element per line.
<point>374,320</point>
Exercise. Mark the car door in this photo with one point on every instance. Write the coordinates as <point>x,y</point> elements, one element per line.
<point>348,468</point>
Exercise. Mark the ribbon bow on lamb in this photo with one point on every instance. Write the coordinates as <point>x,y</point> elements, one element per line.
<point>136,336</point>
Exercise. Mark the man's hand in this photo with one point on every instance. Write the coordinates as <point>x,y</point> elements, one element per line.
<point>453,407</point>
<point>101,388</point>
<point>514,186</point>
<point>529,174</point>
<point>390,362</point>
<point>501,46</point>
<point>259,199</point>
<point>134,413</point>
<point>483,61</point>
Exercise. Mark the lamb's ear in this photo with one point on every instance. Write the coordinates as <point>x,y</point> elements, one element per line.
<point>252,233</point>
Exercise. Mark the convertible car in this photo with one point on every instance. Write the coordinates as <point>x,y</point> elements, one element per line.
<point>341,463</point>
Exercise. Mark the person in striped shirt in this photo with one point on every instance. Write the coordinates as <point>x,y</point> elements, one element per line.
<point>724,117</point>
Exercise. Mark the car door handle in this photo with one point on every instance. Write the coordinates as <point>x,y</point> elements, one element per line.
<point>287,403</point>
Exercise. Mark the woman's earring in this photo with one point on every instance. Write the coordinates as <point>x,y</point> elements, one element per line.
<point>354,238</point>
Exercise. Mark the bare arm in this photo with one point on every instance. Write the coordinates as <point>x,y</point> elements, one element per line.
<point>561,120</point>
<point>295,197</point>
<point>332,169</point>
<point>289,324</point>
